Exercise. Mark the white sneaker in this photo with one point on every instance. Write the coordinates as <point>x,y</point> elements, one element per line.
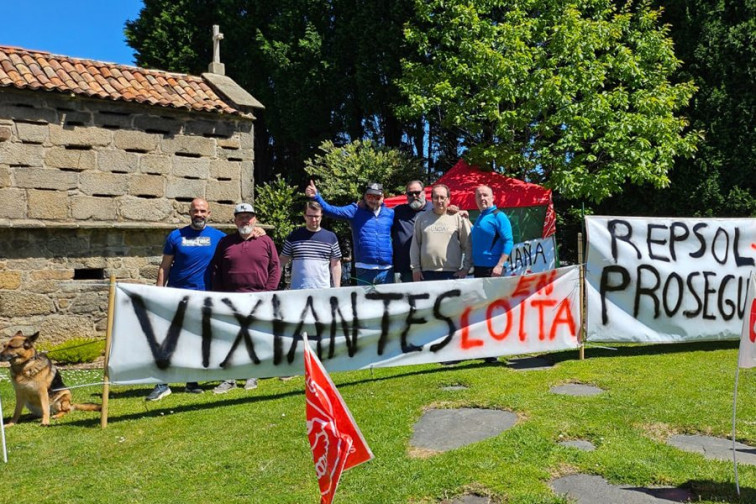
<point>225,387</point>
<point>250,384</point>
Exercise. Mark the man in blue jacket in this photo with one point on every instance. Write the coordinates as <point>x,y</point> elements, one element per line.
<point>492,239</point>
<point>371,224</point>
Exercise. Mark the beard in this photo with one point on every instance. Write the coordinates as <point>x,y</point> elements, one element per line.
<point>199,224</point>
<point>416,204</point>
<point>245,230</point>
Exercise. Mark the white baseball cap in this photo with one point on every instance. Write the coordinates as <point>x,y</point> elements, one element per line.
<point>244,208</point>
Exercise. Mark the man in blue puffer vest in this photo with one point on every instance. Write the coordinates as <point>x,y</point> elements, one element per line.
<point>371,224</point>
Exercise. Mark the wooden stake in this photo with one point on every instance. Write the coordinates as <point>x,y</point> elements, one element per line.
<point>108,342</point>
<point>582,296</point>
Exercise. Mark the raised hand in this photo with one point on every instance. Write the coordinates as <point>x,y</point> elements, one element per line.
<point>311,191</point>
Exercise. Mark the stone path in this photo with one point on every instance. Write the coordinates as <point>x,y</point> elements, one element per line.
<point>579,444</point>
<point>440,430</point>
<point>576,389</point>
<point>445,429</point>
<point>590,489</point>
<point>468,499</point>
<point>714,448</point>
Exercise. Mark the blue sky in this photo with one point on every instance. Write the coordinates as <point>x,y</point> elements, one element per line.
<point>91,29</point>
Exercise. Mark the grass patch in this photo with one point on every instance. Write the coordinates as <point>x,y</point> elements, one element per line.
<point>251,446</point>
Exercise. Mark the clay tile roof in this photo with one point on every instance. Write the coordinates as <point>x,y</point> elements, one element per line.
<point>30,69</point>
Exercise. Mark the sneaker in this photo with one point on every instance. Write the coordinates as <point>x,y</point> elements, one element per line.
<point>250,384</point>
<point>161,390</point>
<point>450,362</point>
<point>193,388</point>
<point>491,360</point>
<point>285,378</point>
<point>225,387</point>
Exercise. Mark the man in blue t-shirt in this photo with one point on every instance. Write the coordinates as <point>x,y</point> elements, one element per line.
<point>186,256</point>
<point>314,253</point>
<point>492,239</point>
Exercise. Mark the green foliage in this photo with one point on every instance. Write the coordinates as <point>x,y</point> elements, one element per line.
<point>309,63</point>
<point>280,205</point>
<point>76,350</point>
<point>341,173</point>
<point>251,446</point>
<point>715,40</point>
<point>576,95</point>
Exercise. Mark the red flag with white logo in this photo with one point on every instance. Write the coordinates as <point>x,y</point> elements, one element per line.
<point>336,441</point>
<point>747,353</point>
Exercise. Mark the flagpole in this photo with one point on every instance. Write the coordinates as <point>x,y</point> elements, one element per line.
<point>2,431</point>
<point>581,265</point>
<point>734,452</point>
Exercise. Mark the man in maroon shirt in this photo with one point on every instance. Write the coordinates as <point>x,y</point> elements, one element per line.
<point>244,263</point>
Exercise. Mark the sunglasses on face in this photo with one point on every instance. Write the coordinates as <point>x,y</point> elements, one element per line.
<point>414,193</point>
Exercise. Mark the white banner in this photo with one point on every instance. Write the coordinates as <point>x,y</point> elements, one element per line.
<point>747,353</point>
<point>173,335</point>
<point>532,256</point>
<point>667,280</point>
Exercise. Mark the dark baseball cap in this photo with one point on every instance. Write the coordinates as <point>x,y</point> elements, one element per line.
<point>374,188</point>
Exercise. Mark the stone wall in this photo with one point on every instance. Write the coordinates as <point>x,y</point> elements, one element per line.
<point>71,159</point>
<point>45,276</point>
<point>92,187</point>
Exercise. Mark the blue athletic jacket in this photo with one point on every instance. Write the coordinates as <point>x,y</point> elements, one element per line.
<point>491,237</point>
<point>371,234</point>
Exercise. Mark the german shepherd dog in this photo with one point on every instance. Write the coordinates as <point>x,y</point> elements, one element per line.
<point>37,382</point>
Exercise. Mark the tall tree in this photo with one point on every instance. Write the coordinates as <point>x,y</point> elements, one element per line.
<point>324,69</point>
<point>716,40</point>
<point>575,94</point>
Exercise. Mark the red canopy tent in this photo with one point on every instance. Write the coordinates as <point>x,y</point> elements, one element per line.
<point>509,194</point>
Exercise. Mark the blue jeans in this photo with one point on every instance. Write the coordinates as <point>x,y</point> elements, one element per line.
<point>374,276</point>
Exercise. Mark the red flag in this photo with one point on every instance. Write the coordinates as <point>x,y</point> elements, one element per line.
<point>336,441</point>
<point>747,353</point>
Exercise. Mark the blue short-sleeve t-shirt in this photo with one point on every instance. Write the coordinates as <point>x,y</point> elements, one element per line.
<point>192,251</point>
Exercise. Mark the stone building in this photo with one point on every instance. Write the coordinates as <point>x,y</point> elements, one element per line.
<point>98,162</point>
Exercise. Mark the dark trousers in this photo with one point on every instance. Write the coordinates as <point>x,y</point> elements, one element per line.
<point>482,271</point>
<point>438,275</point>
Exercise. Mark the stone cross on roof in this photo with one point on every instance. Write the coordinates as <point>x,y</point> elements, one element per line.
<point>216,66</point>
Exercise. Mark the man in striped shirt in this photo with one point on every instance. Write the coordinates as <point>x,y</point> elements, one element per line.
<point>314,253</point>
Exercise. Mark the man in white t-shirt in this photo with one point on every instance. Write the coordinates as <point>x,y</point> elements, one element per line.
<point>314,253</point>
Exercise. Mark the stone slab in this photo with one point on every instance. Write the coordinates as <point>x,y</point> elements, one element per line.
<point>576,389</point>
<point>714,448</point>
<point>579,444</point>
<point>591,489</point>
<point>469,425</point>
<point>468,499</point>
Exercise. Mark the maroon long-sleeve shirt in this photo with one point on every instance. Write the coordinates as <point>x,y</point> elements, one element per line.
<point>241,265</point>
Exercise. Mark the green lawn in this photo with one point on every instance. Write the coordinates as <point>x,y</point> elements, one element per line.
<point>251,447</point>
